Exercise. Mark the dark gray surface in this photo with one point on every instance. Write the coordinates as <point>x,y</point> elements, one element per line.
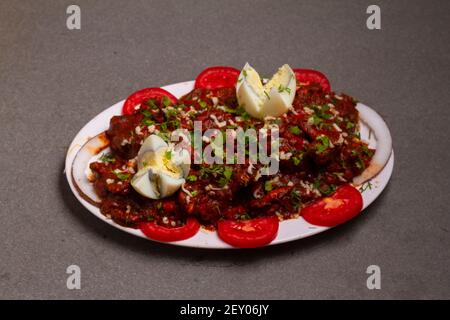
<point>52,81</point>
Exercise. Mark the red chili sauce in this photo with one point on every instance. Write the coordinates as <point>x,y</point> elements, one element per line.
<point>320,149</point>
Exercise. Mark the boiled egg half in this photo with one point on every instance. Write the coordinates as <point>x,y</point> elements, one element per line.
<point>270,100</point>
<point>161,168</point>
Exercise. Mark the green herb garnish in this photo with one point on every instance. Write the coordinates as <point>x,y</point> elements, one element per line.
<point>297,159</point>
<point>203,104</point>
<point>225,179</point>
<point>366,186</point>
<point>147,122</point>
<point>282,89</point>
<point>244,216</point>
<point>122,176</point>
<point>147,113</point>
<point>350,125</point>
<point>148,118</point>
<point>171,113</point>
<point>323,145</point>
<point>268,186</point>
<point>295,130</point>
<point>224,173</point>
<point>166,101</point>
<point>360,164</point>
<point>191,178</point>
<point>164,136</point>
<point>107,158</point>
<point>366,150</point>
<point>151,103</point>
<point>295,198</point>
<point>328,189</point>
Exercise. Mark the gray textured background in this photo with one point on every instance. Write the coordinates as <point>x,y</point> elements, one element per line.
<point>52,81</point>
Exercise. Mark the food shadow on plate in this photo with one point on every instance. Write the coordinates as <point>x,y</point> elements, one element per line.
<point>211,257</point>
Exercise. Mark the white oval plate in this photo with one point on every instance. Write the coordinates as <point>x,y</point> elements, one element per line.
<point>289,230</point>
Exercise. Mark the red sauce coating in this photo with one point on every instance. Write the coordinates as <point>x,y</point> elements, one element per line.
<point>319,140</point>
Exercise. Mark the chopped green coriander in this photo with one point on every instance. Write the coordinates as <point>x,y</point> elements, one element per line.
<point>166,101</point>
<point>229,110</point>
<point>267,95</point>
<point>151,103</point>
<point>323,145</point>
<point>325,108</point>
<point>122,176</point>
<point>297,159</point>
<point>171,113</point>
<point>147,113</point>
<point>316,120</point>
<point>226,176</point>
<point>211,170</point>
<point>202,104</point>
<point>366,186</point>
<point>295,198</point>
<point>168,154</point>
<point>224,173</point>
<point>147,122</point>
<point>268,186</point>
<point>295,130</point>
<point>360,164</point>
<point>366,150</point>
<point>107,158</point>
<point>244,216</point>
<point>191,178</point>
<point>227,172</point>
<point>164,136</point>
<point>194,193</point>
<point>246,116</point>
<point>282,89</point>
<point>328,189</point>
<point>350,125</point>
<point>239,111</point>
<point>176,123</point>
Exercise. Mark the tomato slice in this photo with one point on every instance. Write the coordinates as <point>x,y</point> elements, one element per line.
<point>342,206</point>
<point>217,77</point>
<point>144,95</point>
<point>160,233</point>
<point>312,76</point>
<point>248,233</point>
